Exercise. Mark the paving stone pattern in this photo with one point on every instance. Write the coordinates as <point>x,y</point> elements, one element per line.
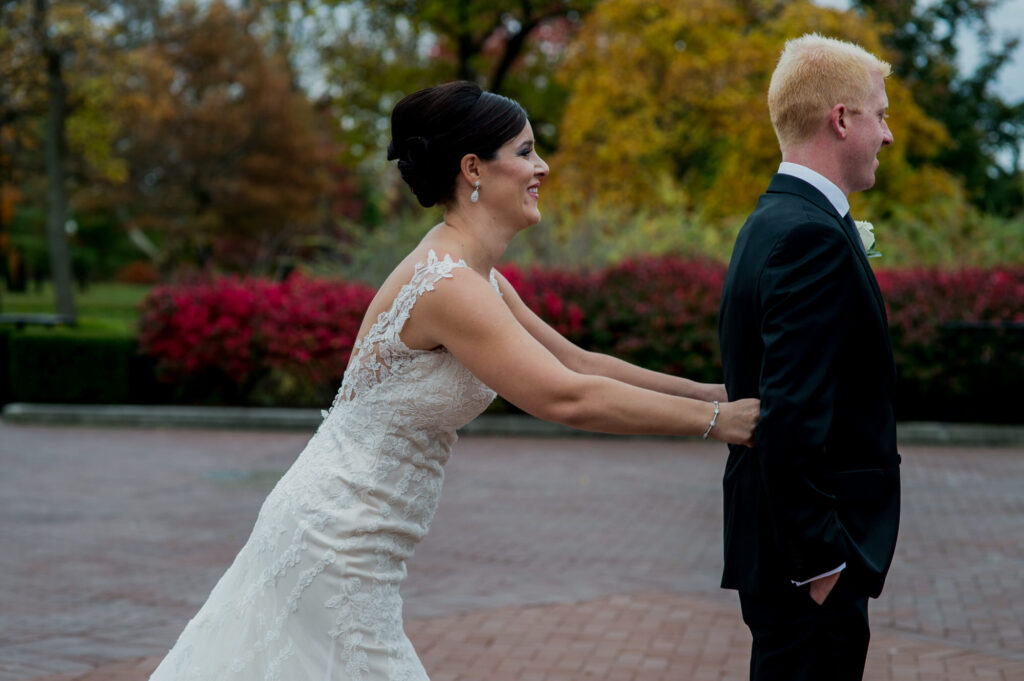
<point>549,559</point>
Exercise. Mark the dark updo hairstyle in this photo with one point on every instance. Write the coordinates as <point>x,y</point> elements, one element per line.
<point>431,130</point>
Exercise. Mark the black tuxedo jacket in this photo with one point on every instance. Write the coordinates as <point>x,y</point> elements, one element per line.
<point>803,327</point>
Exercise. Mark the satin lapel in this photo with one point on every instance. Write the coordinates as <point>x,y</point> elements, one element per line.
<point>850,227</point>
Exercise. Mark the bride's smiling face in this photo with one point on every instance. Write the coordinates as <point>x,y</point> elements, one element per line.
<point>511,181</point>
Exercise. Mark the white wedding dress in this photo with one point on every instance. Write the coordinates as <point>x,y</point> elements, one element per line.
<point>313,594</point>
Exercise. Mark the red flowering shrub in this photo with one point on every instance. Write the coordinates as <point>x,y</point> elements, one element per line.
<point>958,339</point>
<point>921,302</point>
<point>234,332</point>
<point>660,313</point>
<point>954,336</point>
<point>554,295</point>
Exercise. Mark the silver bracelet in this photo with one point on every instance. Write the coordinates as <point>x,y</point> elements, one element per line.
<point>712,424</point>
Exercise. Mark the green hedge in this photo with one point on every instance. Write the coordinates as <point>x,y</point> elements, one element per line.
<point>5,363</point>
<point>69,365</point>
<point>976,372</point>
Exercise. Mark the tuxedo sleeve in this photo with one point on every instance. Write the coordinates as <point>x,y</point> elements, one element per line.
<point>805,291</point>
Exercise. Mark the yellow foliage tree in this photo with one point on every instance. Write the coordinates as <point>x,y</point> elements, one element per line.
<point>668,111</point>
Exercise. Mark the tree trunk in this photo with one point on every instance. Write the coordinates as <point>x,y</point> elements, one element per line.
<point>512,49</point>
<point>56,212</point>
<point>465,45</point>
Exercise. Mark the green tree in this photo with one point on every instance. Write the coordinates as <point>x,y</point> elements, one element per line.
<point>983,127</point>
<point>375,51</point>
<point>56,125</point>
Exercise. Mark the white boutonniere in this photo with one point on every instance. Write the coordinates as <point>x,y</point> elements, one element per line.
<point>867,235</point>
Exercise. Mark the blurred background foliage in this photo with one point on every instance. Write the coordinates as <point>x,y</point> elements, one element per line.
<point>148,147</point>
<point>248,136</point>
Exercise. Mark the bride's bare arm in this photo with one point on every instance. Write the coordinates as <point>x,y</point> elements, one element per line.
<point>464,315</point>
<point>586,362</point>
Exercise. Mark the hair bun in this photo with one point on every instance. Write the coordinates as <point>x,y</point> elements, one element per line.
<point>409,149</point>
<point>433,129</point>
<point>416,166</point>
<point>392,152</point>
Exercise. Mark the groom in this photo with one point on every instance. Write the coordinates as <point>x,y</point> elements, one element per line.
<point>811,514</point>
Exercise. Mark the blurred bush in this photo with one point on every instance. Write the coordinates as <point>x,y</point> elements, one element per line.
<point>137,272</point>
<point>5,365</point>
<point>251,340</point>
<point>658,312</point>
<point>75,365</point>
<point>958,336</point>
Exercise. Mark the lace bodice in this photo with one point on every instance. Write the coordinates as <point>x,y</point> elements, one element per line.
<point>314,592</point>
<point>381,352</point>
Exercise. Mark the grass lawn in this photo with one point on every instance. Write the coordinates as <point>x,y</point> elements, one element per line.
<point>101,307</point>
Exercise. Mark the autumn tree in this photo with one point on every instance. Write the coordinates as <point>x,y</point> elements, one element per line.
<point>224,156</point>
<point>667,111</point>
<point>21,85</point>
<point>56,123</point>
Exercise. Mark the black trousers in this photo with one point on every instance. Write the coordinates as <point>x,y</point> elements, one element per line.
<point>795,639</point>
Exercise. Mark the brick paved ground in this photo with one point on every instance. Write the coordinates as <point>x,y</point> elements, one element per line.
<point>556,560</point>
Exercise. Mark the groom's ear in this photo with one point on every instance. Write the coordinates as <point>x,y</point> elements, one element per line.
<point>837,120</point>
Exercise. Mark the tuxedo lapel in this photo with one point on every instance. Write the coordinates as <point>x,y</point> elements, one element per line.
<point>850,227</point>
<point>787,184</point>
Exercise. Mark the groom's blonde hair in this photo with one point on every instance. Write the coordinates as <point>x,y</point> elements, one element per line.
<point>814,74</point>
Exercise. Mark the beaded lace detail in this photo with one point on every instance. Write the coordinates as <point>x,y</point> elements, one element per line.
<point>381,350</point>
<point>314,593</point>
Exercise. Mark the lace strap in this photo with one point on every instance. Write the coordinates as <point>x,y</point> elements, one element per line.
<point>425,275</point>
<point>381,349</point>
<point>390,322</point>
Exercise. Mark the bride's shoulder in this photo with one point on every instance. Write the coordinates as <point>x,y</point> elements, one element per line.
<point>445,296</point>
<point>416,264</point>
<point>431,263</point>
<point>424,269</point>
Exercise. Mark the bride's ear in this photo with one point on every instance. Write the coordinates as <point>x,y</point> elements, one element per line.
<point>469,169</point>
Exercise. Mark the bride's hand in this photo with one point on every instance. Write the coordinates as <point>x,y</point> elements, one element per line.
<point>736,421</point>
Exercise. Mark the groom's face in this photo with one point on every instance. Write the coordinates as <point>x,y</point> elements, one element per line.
<point>867,134</point>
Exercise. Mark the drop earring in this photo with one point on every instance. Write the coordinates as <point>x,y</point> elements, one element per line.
<point>475,196</point>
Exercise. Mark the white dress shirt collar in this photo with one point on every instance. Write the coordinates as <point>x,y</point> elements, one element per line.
<point>824,185</point>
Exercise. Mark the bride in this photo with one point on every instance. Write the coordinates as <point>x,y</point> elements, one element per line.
<point>314,593</point>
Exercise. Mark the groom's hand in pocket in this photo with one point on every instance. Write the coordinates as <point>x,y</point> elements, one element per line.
<point>821,588</point>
